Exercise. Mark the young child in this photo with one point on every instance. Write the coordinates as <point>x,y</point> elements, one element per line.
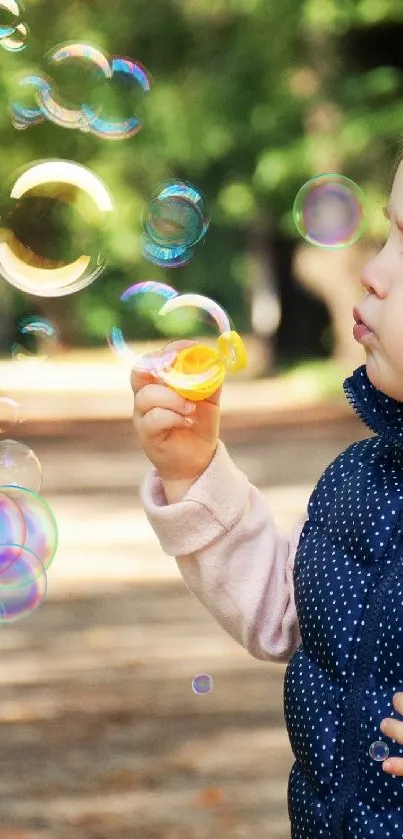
<point>328,599</point>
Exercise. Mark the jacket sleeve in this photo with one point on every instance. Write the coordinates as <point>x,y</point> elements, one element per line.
<point>230,555</point>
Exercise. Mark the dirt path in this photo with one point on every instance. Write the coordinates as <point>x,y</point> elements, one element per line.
<point>101,735</point>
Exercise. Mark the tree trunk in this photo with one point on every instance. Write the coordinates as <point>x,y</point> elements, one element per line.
<point>263,297</point>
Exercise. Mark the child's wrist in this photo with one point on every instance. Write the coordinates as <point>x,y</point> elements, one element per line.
<point>176,489</point>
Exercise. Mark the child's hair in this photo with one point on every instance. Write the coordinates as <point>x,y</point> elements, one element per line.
<point>398,157</point>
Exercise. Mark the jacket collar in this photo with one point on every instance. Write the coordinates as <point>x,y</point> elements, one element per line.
<point>379,412</point>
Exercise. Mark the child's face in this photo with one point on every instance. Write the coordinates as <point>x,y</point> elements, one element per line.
<point>382,308</point>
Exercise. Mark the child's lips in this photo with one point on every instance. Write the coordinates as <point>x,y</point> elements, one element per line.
<point>361,329</point>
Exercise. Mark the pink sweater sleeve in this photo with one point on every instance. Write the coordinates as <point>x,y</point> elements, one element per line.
<point>230,555</point>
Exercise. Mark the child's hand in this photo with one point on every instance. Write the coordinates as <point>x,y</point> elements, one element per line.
<point>394,729</point>
<point>178,437</point>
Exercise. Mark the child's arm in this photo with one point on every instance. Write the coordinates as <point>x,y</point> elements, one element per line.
<point>230,555</point>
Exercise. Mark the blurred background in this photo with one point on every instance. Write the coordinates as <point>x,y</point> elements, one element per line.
<point>100,731</point>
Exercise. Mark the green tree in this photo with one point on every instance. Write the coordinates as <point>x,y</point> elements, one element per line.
<point>250,99</point>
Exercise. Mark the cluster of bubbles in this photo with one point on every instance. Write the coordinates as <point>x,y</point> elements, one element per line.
<point>51,245</point>
<point>174,221</point>
<point>52,233</point>
<point>13,29</point>
<point>330,211</point>
<point>90,75</point>
<point>28,533</point>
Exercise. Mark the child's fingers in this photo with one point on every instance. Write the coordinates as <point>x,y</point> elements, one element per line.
<point>392,728</point>
<point>159,420</point>
<point>139,380</point>
<point>159,396</point>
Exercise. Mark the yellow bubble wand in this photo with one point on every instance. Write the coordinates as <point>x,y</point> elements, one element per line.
<point>205,366</point>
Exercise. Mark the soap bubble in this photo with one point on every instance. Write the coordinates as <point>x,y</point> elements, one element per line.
<point>126,79</point>
<point>25,112</point>
<point>9,413</point>
<point>330,211</point>
<point>52,228</point>
<point>163,256</point>
<point>41,533</point>
<point>12,523</point>
<point>67,97</point>
<point>174,221</point>
<point>17,41</point>
<point>13,31</point>
<point>23,583</point>
<point>176,216</point>
<point>202,683</point>
<point>38,339</point>
<point>84,89</point>
<point>378,750</point>
<point>19,466</point>
<point>10,17</point>
<point>139,302</point>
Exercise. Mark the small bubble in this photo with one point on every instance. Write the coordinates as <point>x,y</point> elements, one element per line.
<point>202,683</point>
<point>378,750</point>
<point>330,211</point>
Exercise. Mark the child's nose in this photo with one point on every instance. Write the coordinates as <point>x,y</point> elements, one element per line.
<point>374,276</point>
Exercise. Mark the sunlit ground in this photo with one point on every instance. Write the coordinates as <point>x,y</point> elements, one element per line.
<point>101,734</point>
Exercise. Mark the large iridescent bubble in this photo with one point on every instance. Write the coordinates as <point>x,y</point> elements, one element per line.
<point>53,227</point>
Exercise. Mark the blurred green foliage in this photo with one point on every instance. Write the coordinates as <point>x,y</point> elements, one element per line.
<point>249,99</point>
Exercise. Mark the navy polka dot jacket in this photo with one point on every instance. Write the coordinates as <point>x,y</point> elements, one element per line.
<point>348,579</point>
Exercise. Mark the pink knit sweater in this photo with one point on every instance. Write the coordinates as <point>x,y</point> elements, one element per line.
<point>231,556</point>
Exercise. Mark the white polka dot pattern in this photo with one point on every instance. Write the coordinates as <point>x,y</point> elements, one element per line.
<point>348,580</point>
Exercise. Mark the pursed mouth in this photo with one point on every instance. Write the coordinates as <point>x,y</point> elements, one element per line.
<point>360,321</point>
